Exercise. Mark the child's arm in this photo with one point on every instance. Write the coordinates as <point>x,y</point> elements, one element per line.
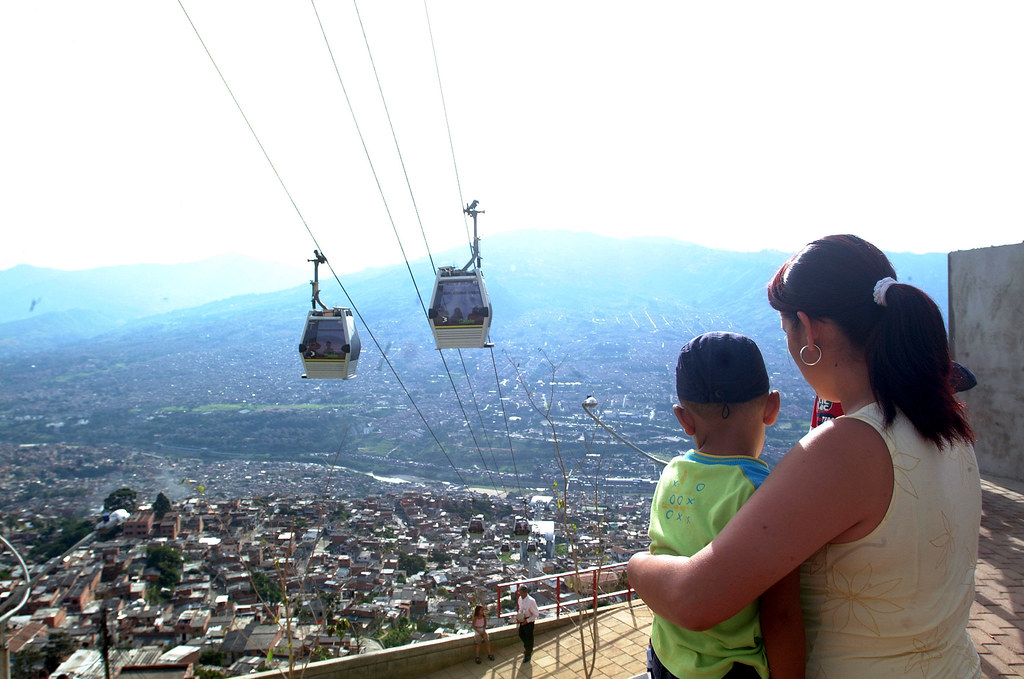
<point>782,624</point>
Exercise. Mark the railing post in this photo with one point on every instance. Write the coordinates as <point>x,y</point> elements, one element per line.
<point>558,597</point>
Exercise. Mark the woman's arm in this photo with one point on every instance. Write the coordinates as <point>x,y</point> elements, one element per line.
<point>834,485</point>
<point>782,626</point>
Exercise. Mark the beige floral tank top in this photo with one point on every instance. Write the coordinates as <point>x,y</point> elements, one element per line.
<point>896,602</point>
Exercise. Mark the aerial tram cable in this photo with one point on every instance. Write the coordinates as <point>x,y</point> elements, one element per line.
<point>394,136</point>
<point>380,190</point>
<point>249,125</point>
<point>483,427</point>
<point>447,124</point>
<point>412,196</point>
<point>475,250</point>
<point>504,415</point>
<point>362,139</point>
<point>466,326</point>
<point>394,228</point>
<point>399,380</point>
<point>318,248</point>
<point>460,309</point>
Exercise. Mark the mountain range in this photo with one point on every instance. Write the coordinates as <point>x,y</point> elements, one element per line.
<point>203,356</point>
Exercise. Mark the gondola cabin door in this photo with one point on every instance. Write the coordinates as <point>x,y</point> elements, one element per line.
<point>460,309</point>
<point>330,345</point>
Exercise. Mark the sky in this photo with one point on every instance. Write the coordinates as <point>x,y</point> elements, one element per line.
<point>735,125</point>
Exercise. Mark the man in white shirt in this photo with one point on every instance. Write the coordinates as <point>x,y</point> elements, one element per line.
<point>527,615</point>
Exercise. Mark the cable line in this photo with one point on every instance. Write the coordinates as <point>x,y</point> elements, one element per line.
<point>472,248</point>
<point>366,150</point>
<point>249,125</point>
<point>468,425</point>
<point>313,237</point>
<point>508,433</point>
<point>387,208</point>
<point>483,427</point>
<point>394,137</point>
<point>451,143</point>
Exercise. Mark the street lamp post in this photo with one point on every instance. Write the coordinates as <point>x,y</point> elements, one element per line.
<point>5,651</point>
<point>589,404</point>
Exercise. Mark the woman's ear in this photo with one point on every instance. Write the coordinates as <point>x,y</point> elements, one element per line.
<point>685,418</point>
<point>807,326</point>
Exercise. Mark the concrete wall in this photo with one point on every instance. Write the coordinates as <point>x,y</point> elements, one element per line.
<point>415,660</point>
<point>986,327</point>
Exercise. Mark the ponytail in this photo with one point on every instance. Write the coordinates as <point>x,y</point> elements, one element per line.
<point>898,327</point>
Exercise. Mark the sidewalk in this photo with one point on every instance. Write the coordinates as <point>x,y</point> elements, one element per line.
<point>622,651</point>
<point>997,618</point>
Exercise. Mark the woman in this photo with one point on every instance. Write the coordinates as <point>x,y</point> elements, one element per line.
<point>480,630</point>
<point>880,509</point>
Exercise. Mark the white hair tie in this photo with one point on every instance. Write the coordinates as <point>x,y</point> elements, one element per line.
<point>880,289</point>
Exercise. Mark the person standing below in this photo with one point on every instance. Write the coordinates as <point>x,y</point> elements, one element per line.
<point>480,631</point>
<point>527,615</point>
<point>725,404</point>
<point>879,508</point>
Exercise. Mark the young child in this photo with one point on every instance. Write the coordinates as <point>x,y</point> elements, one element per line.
<point>480,632</point>
<point>725,405</point>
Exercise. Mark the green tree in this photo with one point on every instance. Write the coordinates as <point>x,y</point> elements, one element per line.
<point>204,673</point>
<point>26,663</point>
<point>268,590</point>
<point>59,537</point>
<point>122,498</point>
<point>211,656</point>
<point>411,563</point>
<point>399,634</point>
<point>167,561</point>
<point>161,506</point>
<point>58,648</point>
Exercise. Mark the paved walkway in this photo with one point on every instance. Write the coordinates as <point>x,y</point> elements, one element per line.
<point>997,619</point>
<point>622,647</point>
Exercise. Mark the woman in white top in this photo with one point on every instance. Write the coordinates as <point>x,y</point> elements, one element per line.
<point>880,509</point>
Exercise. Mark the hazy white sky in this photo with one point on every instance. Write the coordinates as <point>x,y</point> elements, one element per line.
<point>740,125</point>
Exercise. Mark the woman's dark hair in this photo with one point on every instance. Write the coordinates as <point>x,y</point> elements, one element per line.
<point>904,341</point>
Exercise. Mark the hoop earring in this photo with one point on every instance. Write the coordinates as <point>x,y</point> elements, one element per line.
<point>806,362</point>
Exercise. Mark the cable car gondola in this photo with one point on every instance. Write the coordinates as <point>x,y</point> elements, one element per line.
<point>460,308</point>
<point>329,346</point>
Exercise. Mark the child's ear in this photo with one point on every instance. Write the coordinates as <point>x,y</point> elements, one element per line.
<point>685,418</point>
<point>771,408</point>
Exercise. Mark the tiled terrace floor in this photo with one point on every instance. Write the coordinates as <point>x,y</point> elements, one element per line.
<point>997,619</point>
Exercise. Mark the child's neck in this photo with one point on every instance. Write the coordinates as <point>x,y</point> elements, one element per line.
<point>728,443</point>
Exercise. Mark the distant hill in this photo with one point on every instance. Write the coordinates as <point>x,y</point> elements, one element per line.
<point>574,314</point>
<point>531,274</point>
<point>117,294</point>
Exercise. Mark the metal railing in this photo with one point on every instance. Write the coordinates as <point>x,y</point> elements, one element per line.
<point>571,590</point>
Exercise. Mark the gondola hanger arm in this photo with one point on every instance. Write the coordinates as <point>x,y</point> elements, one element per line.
<point>474,259</point>
<point>317,260</point>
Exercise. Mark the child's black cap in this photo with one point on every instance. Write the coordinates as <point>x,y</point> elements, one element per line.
<point>720,367</point>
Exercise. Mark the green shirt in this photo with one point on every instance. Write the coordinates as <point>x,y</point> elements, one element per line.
<point>696,496</point>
